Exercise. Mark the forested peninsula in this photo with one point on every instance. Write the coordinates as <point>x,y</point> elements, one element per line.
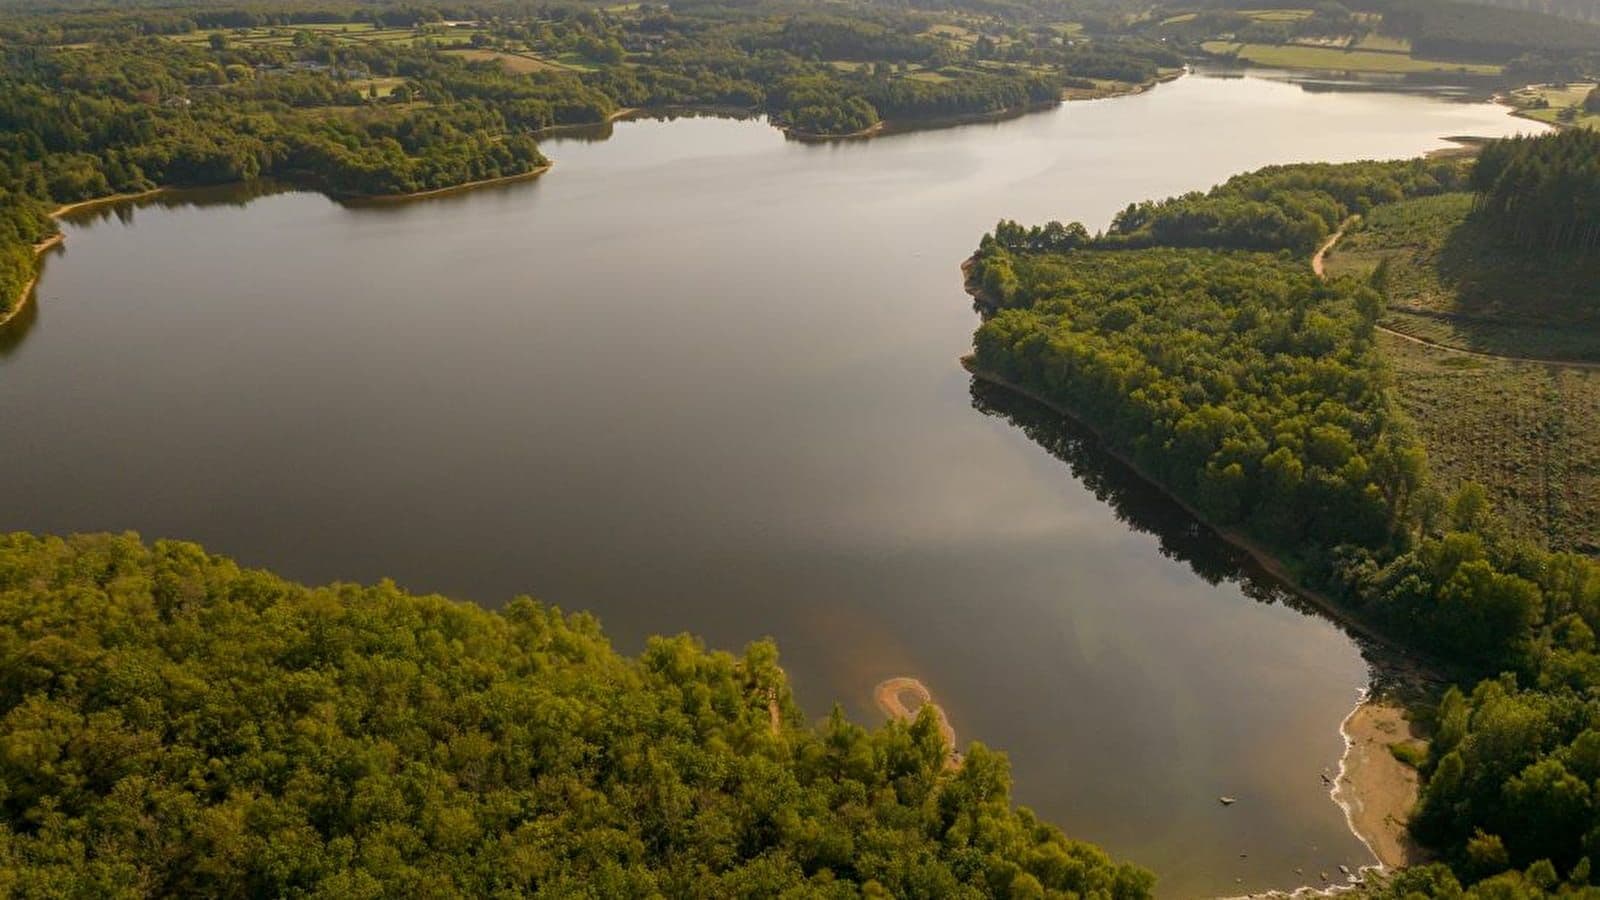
<point>1196,339</point>
<point>175,724</point>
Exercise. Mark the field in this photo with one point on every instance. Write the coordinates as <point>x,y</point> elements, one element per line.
<point>513,62</point>
<point>1295,56</point>
<point>350,34</point>
<point>963,31</point>
<point>959,34</point>
<point>1452,283</point>
<point>377,87</point>
<point>1530,434</point>
<point>1277,15</point>
<point>1558,105</point>
<point>1383,43</point>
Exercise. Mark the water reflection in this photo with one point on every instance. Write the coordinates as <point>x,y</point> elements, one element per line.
<point>1136,502</point>
<point>1466,86</point>
<point>1143,507</point>
<point>16,329</point>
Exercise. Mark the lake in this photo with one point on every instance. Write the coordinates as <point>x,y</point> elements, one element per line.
<point>703,378</point>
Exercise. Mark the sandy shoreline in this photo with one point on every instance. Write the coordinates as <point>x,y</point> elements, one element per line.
<point>453,189</point>
<point>889,695</point>
<point>102,201</point>
<point>23,295</point>
<point>55,240</point>
<point>1377,791</point>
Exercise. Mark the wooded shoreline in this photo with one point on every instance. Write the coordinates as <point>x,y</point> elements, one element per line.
<point>56,240</point>
<point>1363,790</point>
<point>59,238</point>
<point>884,127</point>
<point>1263,558</point>
<point>1259,555</point>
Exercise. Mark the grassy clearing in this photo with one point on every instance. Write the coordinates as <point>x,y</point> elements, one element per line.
<point>1529,434</point>
<point>1497,337</point>
<point>1555,117</point>
<point>1103,87</point>
<point>1180,18</point>
<point>998,66</point>
<point>1412,753</point>
<point>1291,56</point>
<point>577,61</point>
<point>342,27</point>
<point>513,62</point>
<point>1383,43</point>
<point>957,33</point>
<point>1277,15</point>
<point>1558,105</point>
<point>347,34</point>
<point>1452,282</point>
<point>380,87</point>
<point>1336,43</point>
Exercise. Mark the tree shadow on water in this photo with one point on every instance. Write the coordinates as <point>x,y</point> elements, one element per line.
<point>1145,508</point>
<point>14,331</point>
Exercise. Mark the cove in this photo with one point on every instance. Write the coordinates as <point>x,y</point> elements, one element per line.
<point>702,378</point>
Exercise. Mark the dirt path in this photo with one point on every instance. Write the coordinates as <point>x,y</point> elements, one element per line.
<point>1562,363</point>
<point>890,697</point>
<point>1318,257</point>
<point>1318,265</point>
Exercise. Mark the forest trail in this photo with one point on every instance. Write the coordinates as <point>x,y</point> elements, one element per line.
<point>1318,257</point>
<point>1562,363</point>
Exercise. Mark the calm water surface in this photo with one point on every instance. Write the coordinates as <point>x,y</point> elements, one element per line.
<point>701,378</point>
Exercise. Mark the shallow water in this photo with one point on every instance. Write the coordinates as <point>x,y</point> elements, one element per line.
<point>702,378</point>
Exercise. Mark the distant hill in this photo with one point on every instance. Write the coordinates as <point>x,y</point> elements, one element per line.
<point>1459,30</point>
<point>1580,10</point>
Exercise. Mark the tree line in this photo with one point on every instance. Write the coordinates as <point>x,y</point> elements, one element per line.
<point>1542,194</point>
<point>1451,30</point>
<point>1292,207</point>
